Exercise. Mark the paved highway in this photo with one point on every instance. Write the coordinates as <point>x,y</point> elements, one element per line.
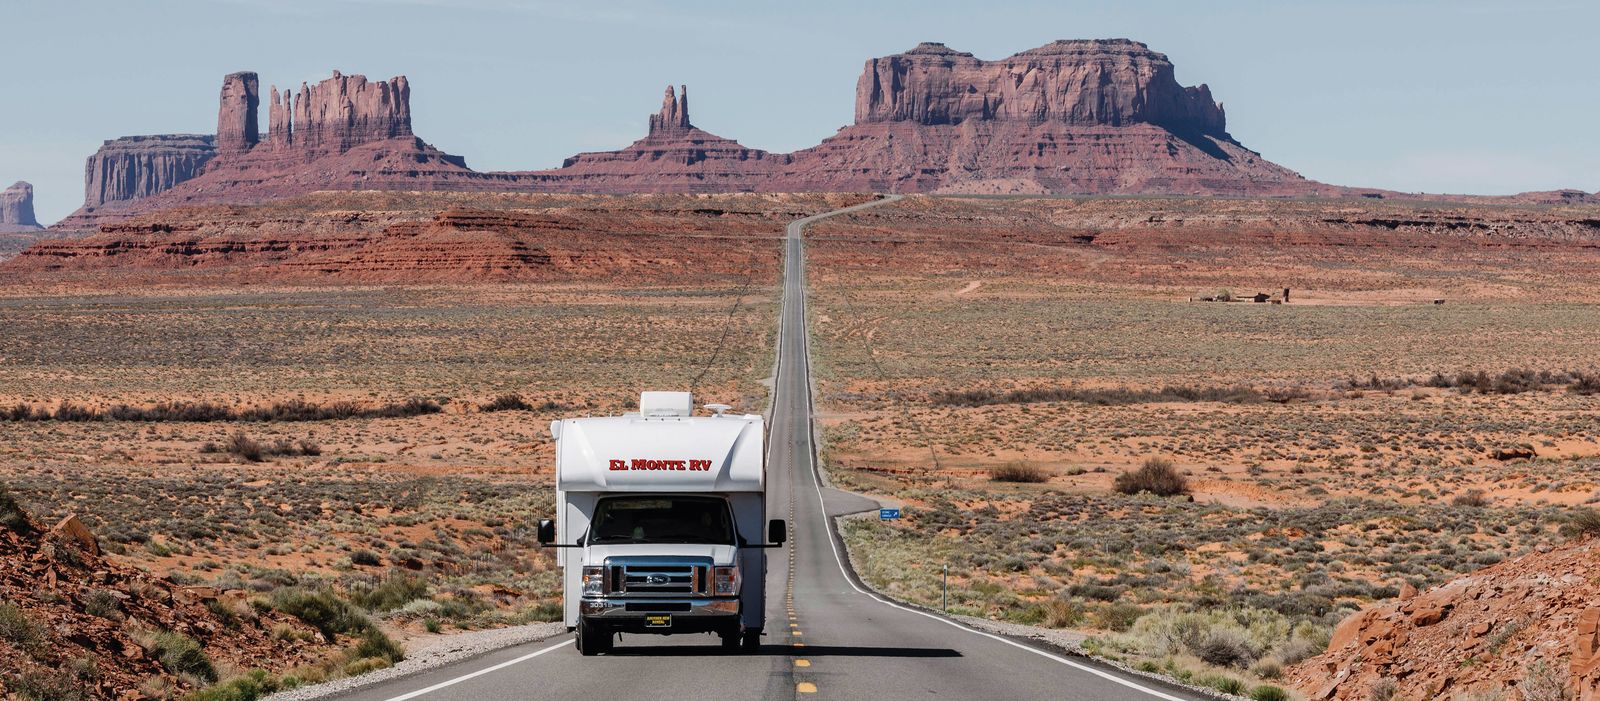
<point>826,638</point>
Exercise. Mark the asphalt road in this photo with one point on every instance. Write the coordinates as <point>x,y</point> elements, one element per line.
<point>827,637</point>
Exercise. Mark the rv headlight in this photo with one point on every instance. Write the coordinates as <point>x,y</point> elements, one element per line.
<point>593,581</point>
<point>726,581</point>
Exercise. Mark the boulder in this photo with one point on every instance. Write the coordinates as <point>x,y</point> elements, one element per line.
<point>73,530</point>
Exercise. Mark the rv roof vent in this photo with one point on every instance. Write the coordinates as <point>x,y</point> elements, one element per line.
<point>659,404</point>
<point>717,408</point>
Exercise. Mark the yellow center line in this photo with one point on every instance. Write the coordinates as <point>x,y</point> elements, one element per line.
<point>802,663</point>
<point>806,688</point>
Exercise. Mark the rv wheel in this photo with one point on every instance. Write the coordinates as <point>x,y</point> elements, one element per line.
<point>730,640</point>
<point>752,640</point>
<point>593,639</point>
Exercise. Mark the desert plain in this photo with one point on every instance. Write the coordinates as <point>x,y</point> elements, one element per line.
<point>350,392</point>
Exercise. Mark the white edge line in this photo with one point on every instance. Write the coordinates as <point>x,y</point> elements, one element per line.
<point>481,672</point>
<point>827,524</point>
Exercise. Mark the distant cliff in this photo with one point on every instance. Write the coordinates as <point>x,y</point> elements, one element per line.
<point>1079,117</point>
<point>16,208</point>
<point>1113,82</point>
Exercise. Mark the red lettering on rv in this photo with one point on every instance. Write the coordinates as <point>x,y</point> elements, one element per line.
<point>659,465</point>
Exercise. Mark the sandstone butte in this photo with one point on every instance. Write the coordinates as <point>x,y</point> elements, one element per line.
<point>1089,117</point>
<point>1486,631</point>
<point>16,208</point>
<point>1070,117</point>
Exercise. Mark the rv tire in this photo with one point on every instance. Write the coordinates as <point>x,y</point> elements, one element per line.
<point>593,639</point>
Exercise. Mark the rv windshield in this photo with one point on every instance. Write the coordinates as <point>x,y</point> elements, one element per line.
<point>661,519</point>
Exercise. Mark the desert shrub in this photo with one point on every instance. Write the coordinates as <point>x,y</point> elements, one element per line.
<point>1157,476</point>
<point>67,411</point>
<point>1098,592</point>
<point>242,446</point>
<point>253,685</point>
<point>1268,692</point>
<point>1474,498</point>
<point>365,558</point>
<point>1267,668</point>
<point>506,402</point>
<point>1383,690</point>
<point>1224,647</point>
<point>1585,383</point>
<point>1297,649</point>
<point>364,665</point>
<point>102,603</point>
<point>1543,683</point>
<point>390,594</point>
<point>12,515</point>
<point>1019,471</point>
<point>1581,523</point>
<point>1116,396</point>
<point>19,630</point>
<point>546,611</point>
<point>1061,613</point>
<point>1119,617</point>
<point>377,645</point>
<point>409,407</point>
<point>1224,684</point>
<point>292,410</point>
<point>34,684</point>
<point>329,614</point>
<point>245,448</point>
<point>182,655</point>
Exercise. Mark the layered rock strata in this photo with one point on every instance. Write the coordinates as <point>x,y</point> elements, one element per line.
<point>135,167</point>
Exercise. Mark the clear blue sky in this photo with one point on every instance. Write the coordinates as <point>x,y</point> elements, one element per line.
<point>1432,95</point>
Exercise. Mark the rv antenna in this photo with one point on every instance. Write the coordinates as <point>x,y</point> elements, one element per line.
<point>718,408</point>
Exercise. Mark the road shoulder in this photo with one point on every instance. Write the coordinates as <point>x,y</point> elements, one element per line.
<point>430,654</point>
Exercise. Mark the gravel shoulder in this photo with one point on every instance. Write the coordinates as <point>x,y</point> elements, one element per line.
<point>430,653</point>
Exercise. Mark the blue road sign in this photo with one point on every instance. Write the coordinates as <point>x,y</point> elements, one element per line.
<point>886,514</point>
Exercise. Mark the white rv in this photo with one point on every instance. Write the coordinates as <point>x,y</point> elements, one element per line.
<point>661,517</point>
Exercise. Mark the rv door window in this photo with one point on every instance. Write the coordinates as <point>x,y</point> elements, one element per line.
<point>659,519</point>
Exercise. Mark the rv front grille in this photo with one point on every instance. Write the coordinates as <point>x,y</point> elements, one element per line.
<point>656,579</point>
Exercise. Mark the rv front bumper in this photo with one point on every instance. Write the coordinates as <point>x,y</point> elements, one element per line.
<point>685,615</point>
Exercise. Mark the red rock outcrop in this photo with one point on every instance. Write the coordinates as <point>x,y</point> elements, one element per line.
<point>338,114</point>
<point>344,133</point>
<point>1085,117</point>
<point>1093,117</point>
<point>1529,621</point>
<point>674,156</point>
<point>674,114</point>
<point>439,237</point>
<point>237,131</point>
<point>1086,83</point>
<point>135,167</point>
<point>16,208</point>
<point>87,612</point>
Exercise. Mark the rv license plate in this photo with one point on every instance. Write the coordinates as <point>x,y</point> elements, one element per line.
<point>659,621</point>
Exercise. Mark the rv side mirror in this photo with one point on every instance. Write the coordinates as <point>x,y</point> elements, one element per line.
<point>547,531</point>
<point>777,531</point>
